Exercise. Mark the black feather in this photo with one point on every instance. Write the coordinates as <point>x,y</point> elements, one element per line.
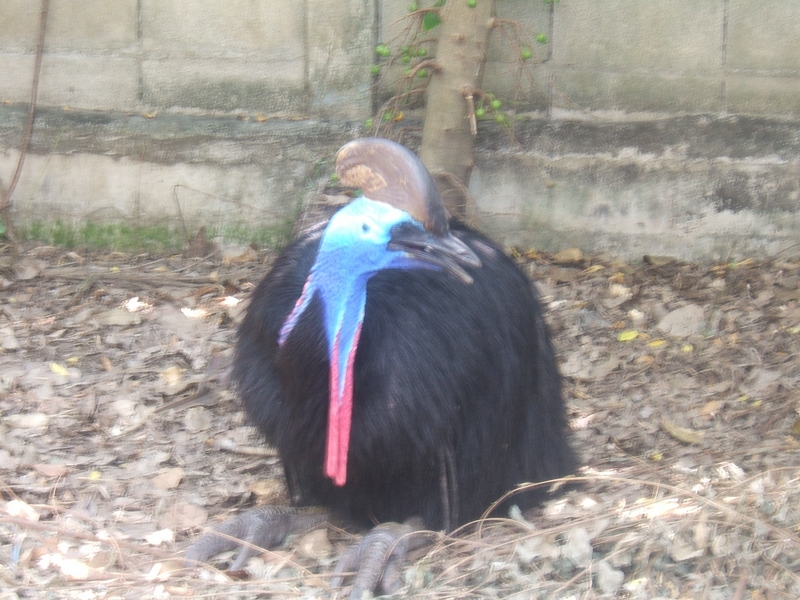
<point>453,383</point>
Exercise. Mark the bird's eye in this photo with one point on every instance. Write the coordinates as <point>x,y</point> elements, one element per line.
<point>365,228</point>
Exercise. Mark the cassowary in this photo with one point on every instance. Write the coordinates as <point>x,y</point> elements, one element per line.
<point>399,363</point>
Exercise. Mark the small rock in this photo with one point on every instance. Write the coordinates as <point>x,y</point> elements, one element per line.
<point>683,322</point>
<point>119,316</point>
<point>27,269</point>
<point>569,256</point>
<point>314,544</point>
<point>197,419</point>
<point>8,341</point>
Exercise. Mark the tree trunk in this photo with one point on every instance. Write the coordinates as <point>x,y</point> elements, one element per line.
<point>447,141</point>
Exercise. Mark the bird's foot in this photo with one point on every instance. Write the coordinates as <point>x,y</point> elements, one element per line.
<point>378,558</point>
<point>262,527</point>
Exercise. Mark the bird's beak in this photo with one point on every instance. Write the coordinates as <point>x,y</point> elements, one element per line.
<point>446,252</point>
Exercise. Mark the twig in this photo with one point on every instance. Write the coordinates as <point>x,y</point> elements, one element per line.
<point>5,200</point>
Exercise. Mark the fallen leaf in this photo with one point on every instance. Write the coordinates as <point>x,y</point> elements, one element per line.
<point>593,269</point>
<point>608,578</point>
<point>628,336</point>
<point>616,290</point>
<point>162,536</point>
<point>51,470</point>
<point>20,509</point>
<point>681,550</point>
<point>26,269</point>
<point>710,409</point>
<point>59,369</point>
<point>658,261</point>
<point>28,420</point>
<point>119,316</point>
<point>182,517</point>
<point>168,479</point>
<point>172,376</point>
<point>682,434</point>
<point>577,549</point>
<point>268,488</point>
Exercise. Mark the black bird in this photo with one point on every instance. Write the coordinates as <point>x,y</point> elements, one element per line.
<point>399,363</point>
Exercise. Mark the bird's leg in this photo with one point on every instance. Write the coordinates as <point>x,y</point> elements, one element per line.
<point>378,558</point>
<point>449,487</point>
<point>264,527</point>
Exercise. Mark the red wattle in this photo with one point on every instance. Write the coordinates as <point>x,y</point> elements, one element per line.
<point>340,413</point>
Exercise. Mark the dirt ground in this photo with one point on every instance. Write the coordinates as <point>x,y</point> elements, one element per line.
<point>119,441</point>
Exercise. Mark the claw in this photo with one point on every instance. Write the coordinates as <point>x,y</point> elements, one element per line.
<point>378,558</point>
<point>263,527</point>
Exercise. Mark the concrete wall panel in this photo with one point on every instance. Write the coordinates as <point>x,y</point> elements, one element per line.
<point>764,35</point>
<point>88,81</point>
<point>679,36</point>
<point>273,31</point>
<point>340,52</point>
<point>19,25</point>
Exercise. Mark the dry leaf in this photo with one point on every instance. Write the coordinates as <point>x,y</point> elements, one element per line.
<point>658,261</point>
<point>162,536</point>
<point>51,470</point>
<point>682,434</point>
<point>172,376</point>
<point>20,509</point>
<point>314,544</point>
<point>28,420</point>
<point>59,369</point>
<point>710,409</point>
<point>182,517</point>
<point>168,479</point>
<point>569,255</point>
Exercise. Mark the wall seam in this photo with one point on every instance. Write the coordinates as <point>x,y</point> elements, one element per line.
<point>724,58</point>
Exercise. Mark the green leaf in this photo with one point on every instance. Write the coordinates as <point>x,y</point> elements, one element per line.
<point>430,20</point>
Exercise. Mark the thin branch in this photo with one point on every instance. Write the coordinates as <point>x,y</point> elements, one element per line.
<point>5,201</point>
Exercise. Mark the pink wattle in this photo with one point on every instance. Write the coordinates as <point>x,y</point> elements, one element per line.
<point>340,413</point>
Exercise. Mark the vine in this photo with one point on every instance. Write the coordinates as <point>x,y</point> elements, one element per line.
<point>411,48</point>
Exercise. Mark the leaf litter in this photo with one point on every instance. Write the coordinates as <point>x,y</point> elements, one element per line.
<point>120,442</point>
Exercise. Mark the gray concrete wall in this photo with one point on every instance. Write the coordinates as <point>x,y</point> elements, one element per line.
<point>279,58</point>
<point>661,127</point>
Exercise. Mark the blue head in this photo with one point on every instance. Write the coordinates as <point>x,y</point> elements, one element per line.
<point>400,225</point>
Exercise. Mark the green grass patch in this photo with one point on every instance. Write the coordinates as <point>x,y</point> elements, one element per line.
<point>154,238</point>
